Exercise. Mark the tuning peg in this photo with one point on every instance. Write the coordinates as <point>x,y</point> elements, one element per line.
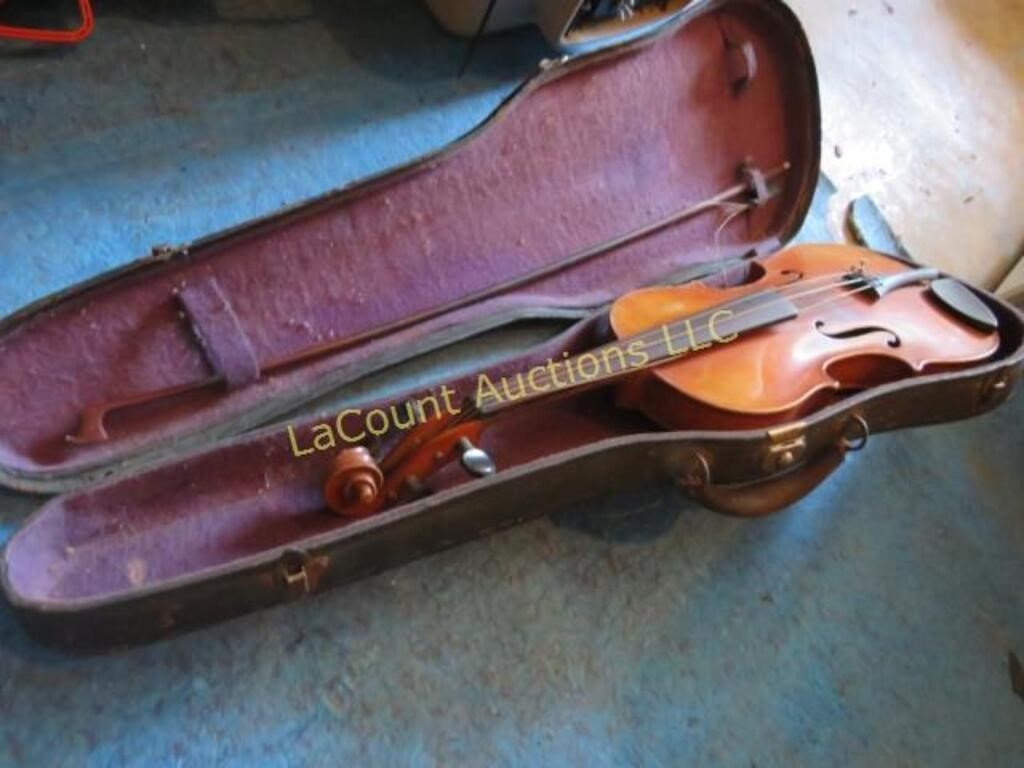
<point>474,460</point>
<point>354,484</point>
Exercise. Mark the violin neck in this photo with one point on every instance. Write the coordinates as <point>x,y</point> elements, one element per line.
<point>610,362</point>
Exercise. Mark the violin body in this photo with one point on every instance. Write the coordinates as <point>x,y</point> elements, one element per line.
<point>837,344</point>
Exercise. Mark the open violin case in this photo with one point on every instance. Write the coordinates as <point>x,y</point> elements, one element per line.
<point>195,510</point>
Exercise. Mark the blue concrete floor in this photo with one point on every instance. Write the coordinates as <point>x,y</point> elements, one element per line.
<point>869,625</point>
<point>174,122</point>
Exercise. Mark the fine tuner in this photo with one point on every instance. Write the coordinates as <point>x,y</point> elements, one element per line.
<point>821,321</point>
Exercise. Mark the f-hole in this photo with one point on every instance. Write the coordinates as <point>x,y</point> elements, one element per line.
<point>851,333</point>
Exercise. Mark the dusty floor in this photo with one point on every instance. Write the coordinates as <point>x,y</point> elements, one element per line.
<point>923,104</point>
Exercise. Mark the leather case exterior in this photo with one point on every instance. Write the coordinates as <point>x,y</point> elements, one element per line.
<point>198,519</point>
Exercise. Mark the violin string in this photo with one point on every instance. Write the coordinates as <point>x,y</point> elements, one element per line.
<point>831,299</point>
<point>735,209</point>
<point>821,289</point>
<point>655,338</point>
<point>660,345</point>
<point>473,409</point>
<point>799,285</point>
<point>800,292</point>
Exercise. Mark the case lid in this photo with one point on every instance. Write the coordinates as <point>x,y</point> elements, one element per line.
<point>588,149</point>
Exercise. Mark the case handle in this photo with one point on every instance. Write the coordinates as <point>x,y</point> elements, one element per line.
<point>765,497</point>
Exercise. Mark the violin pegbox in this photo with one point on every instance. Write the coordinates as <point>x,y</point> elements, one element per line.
<point>357,486</point>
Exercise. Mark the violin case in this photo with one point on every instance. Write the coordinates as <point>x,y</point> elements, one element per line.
<point>195,510</point>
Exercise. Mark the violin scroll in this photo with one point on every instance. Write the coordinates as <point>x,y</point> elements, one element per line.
<point>354,484</point>
<point>358,486</point>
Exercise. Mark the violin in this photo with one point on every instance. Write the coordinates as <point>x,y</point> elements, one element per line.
<point>813,324</point>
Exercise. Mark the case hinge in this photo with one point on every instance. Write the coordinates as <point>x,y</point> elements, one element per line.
<point>996,388</point>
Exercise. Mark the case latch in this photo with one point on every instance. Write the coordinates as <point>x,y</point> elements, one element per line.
<point>996,389</point>
<point>299,573</point>
<point>788,447</point>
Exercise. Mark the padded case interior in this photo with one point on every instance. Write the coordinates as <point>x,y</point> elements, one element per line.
<point>583,154</point>
<point>588,150</point>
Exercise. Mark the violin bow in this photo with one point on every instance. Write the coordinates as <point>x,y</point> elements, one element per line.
<point>756,187</point>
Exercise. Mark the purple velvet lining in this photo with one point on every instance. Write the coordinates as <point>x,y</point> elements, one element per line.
<point>253,496</point>
<point>582,158</point>
<point>218,331</point>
